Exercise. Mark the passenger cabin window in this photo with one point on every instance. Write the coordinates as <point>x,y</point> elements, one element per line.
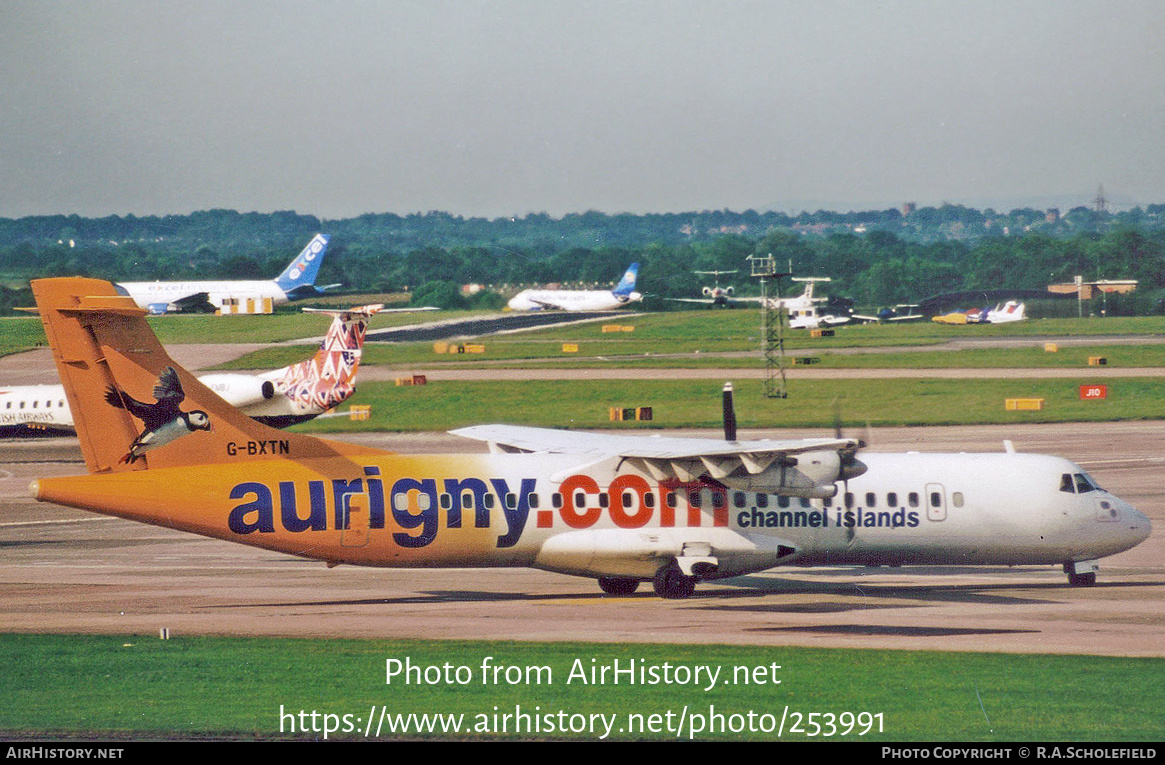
<point>892,499</point>
<point>762,500</point>
<point>957,499</point>
<point>912,499</point>
<point>871,499</point>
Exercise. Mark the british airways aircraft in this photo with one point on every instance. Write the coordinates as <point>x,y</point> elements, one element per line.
<point>279,398</point>
<point>296,282</point>
<point>619,510</point>
<point>580,300</point>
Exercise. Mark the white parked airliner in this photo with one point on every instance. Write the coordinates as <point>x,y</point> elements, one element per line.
<point>296,282</point>
<point>580,300</point>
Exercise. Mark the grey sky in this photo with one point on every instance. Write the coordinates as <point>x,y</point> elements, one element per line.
<point>514,106</point>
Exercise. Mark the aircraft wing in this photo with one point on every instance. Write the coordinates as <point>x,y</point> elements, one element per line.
<point>199,301</point>
<point>799,467</point>
<point>880,319</point>
<point>549,304</point>
<point>700,301</point>
<point>710,301</point>
<point>364,310</point>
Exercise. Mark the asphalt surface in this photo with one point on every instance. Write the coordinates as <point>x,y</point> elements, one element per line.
<point>67,570</point>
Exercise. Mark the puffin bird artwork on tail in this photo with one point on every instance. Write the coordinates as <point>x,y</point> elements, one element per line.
<point>162,421</point>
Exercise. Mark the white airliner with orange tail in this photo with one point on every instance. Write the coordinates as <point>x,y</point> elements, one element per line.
<point>279,398</point>
<point>621,510</point>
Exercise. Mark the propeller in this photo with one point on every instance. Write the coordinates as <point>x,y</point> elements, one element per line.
<point>850,465</point>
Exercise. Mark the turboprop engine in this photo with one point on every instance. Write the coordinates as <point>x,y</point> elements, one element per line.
<point>239,390</point>
<point>811,474</point>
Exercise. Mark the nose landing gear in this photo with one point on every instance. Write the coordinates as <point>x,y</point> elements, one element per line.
<point>1081,573</point>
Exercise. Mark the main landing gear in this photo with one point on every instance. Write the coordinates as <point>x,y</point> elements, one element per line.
<point>669,582</point>
<point>618,585</point>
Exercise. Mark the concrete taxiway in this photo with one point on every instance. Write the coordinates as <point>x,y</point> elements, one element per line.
<point>64,570</point>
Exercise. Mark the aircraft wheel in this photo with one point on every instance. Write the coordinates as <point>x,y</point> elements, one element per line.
<point>670,582</point>
<point>617,585</point>
<point>1082,580</point>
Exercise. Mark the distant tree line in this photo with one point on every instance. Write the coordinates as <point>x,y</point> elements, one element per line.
<point>876,257</point>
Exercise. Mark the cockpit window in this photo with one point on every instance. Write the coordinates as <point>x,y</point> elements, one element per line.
<point>1083,484</point>
<point>1078,483</point>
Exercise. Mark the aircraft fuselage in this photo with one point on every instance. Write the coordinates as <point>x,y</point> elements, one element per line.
<point>507,510</point>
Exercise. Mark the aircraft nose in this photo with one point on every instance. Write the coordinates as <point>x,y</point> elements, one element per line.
<point>1141,525</point>
<point>1135,525</point>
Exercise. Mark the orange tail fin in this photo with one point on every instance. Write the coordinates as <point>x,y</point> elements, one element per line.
<point>133,407</point>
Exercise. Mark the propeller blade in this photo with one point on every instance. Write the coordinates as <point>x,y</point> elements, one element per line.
<point>729,413</point>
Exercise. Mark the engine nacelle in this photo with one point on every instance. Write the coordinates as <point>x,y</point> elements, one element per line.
<point>239,390</point>
<point>813,475</point>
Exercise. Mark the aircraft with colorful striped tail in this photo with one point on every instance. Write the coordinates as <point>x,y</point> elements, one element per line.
<point>619,509</point>
<point>281,397</point>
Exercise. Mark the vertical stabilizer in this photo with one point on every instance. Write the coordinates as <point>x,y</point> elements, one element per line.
<point>627,284</point>
<point>329,377</point>
<point>301,272</point>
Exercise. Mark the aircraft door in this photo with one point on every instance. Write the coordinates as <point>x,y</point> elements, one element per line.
<point>936,502</point>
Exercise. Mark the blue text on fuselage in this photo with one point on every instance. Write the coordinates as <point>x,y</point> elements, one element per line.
<point>413,503</point>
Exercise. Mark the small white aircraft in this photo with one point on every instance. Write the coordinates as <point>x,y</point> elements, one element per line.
<point>296,282</point>
<point>1003,313</point>
<point>804,311</point>
<point>278,398</point>
<point>580,300</point>
<point>622,510</point>
<point>717,296</point>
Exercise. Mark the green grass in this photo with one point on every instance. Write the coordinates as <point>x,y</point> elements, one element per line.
<point>696,403</point>
<point>20,333</point>
<point>236,687</point>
